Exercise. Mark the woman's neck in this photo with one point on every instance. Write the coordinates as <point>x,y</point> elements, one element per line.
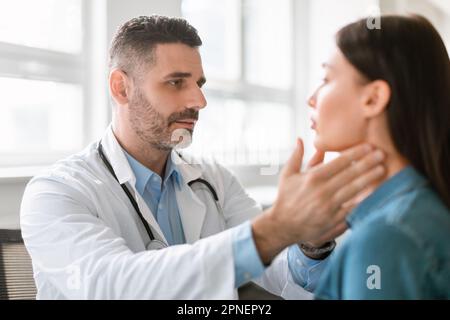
<point>393,164</point>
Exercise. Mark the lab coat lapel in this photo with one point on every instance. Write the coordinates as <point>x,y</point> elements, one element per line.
<point>149,217</point>
<point>192,209</point>
<point>121,167</point>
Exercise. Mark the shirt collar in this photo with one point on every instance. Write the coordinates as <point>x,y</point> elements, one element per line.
<point>144,174</point>
<point>188,167</point>
<point>172,171</point>
<point>404,181</point>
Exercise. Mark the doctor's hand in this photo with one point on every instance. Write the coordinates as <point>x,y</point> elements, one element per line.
<point>311,205</point>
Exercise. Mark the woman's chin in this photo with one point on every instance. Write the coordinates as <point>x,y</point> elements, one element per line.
<point>328,146</point>
<point>321,145</point>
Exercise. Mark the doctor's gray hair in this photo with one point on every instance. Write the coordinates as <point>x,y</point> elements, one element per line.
<point>133,45</point>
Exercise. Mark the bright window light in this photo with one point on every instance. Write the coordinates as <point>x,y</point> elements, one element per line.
<point>268,35</point>
<point>46,24</point>
<point>249,119</point>
<point>218,23</point>
<point>40,116</point>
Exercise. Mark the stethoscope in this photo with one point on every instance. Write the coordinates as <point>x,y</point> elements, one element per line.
<point>154,244</point>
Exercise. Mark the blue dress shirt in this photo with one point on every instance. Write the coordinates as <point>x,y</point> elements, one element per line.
<point>305,271</point>
<point>248,265</point>
<point>399,247</point>
<point>159,196</point>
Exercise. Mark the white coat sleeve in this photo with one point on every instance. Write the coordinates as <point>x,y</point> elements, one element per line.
<point>82,258</point>
<point>278,280</point>
<point>239,207</point>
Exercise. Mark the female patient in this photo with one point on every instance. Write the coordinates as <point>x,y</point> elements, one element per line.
<point>391,88</point>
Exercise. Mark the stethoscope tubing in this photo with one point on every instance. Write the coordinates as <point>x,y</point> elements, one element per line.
<point>158,243</point>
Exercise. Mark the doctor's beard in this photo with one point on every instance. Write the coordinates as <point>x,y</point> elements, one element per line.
<point>152,128</point>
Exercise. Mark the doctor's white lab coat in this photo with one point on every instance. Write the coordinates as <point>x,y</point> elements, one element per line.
<point>87,242</point>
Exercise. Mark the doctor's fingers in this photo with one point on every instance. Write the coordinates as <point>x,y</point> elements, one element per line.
<point>316,159</point>
<point>353,172</point>
<point>342,162</point>
<point>293,165</point>
<point>334,232</point>
<point>350,190</point>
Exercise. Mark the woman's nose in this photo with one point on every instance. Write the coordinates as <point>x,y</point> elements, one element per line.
<point>312,100</point>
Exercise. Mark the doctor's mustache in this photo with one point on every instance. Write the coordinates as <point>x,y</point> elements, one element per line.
<point>187,114</point>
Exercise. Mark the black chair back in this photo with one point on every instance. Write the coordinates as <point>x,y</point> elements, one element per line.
<point>16,272</point>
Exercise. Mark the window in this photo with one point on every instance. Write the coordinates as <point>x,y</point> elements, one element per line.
<point>43,24</point>
<point>41,76</point>
<point>247,58</point>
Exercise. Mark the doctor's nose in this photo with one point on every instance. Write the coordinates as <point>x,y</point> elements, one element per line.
<point>197,99</point>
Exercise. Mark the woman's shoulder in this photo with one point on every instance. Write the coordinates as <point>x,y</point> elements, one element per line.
<point>408,238</point>
<point>418,216</point>
<point>383,261</point>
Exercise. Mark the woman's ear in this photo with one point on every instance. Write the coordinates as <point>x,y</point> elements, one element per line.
<point>119,86</point>
<point>376,98</point>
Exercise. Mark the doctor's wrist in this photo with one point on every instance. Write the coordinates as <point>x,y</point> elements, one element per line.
<point>317,252</point>
<point>265,236</point>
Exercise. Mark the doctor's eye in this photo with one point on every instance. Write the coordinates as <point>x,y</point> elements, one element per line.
<point>176,82</point>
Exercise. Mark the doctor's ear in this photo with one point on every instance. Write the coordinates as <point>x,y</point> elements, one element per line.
<point>376,97</point>
<point>119,86</point>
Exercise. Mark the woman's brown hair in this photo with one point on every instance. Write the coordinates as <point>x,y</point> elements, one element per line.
<point>408,53</point>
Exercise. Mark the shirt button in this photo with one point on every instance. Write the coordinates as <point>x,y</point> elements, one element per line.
<point>247,276</point>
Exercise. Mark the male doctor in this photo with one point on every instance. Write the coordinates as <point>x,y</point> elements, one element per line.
<point>130,218</point>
